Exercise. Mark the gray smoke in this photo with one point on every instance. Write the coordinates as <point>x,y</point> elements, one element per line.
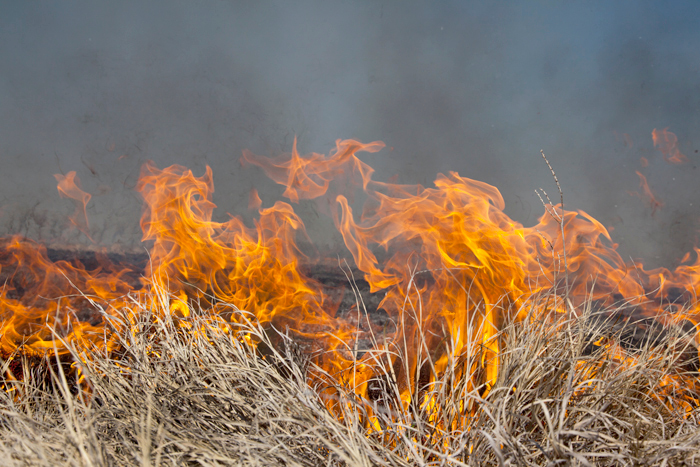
<point>474,87</point>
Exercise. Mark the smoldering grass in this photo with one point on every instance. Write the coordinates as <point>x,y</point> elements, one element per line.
<point>196,390</point>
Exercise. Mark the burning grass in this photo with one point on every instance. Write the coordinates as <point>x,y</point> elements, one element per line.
<point>212,391</point>
<point>484,343</point>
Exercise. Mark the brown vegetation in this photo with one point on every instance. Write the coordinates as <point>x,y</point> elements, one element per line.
<point>200,391</point>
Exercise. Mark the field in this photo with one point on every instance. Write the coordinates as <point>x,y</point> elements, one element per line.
<point>579,388</point>
<point>458,337</point>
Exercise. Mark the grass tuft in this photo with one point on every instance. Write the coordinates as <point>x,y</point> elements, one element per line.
<point>199,392</point>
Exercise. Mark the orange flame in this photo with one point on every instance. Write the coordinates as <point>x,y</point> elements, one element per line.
<point>654,203</point>
<point>253,269</point>
<point>254,201</point>
<point>41,299</point>
<point>667,143</point>
<point>69,187</point>
<point>441,238</point>
<point>451,265</point>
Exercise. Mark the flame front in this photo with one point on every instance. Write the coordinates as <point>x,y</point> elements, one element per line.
<point>44,303</point>
<point>453,266</point>
<point>252,269</point>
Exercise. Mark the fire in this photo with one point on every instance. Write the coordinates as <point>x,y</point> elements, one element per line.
<point>667,143</point>
<point>252,269</point>
<point>651,199</point>
<point>254,201</point>
<point>69,187</point>
<point>45,303</point>
<point>451,266</point>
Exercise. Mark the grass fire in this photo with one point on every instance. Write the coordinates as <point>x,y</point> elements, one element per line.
<point>457,336</point>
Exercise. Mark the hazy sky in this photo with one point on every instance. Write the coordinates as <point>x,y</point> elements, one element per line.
<point>474,87</point>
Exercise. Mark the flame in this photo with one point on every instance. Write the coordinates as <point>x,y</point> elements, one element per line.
<point>452,249</point>
<point>651,199</point>
<point>69,187</point>
<point>451,265</point>
<point>667,143</point>
<point>256,270</point>
<point>42,300</point>
<point>254,201</point>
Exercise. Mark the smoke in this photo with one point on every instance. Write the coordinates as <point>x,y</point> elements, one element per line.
<point>475,87</point>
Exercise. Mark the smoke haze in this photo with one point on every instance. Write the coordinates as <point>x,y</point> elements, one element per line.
<point>474,87</point>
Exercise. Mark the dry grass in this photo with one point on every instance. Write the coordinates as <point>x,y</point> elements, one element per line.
<point>195,393</point>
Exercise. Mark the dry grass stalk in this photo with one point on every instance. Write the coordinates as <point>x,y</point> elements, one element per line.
<point>197,392</point>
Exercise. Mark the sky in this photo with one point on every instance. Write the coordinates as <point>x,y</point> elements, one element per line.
<point>473,87</point>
